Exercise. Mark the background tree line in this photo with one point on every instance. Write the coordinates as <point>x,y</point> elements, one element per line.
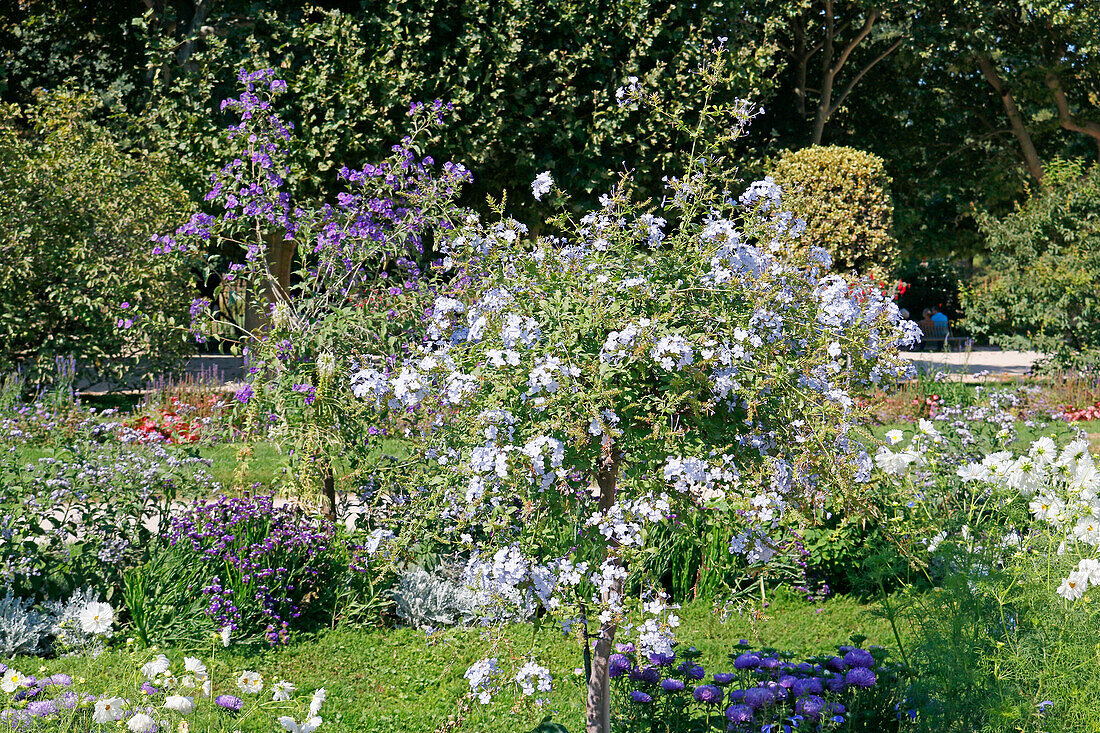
<point>968,103</point>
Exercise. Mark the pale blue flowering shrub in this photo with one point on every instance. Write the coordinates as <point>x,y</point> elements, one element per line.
<point>631,366</point>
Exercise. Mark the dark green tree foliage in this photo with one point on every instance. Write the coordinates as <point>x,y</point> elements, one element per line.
<point>1043,287</point>
<point>78,212</point>
<point>843,194</point>
<point>534,83</point>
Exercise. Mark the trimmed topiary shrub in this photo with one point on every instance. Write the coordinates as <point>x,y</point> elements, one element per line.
<point>844,196</point>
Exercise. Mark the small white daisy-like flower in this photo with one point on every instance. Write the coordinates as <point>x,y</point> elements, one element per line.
<point>250,682</point>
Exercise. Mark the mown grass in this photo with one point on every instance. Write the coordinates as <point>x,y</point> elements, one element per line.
<point>400,679</point>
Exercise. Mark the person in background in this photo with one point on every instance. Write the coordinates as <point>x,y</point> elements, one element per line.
<point>939,319</point>
<point>904,313</point>
<point>927,325</point>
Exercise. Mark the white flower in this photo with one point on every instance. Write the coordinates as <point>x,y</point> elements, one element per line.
<point>315,703</point>
<point>207,687</point>
<point>927,427</point>
<point>894,463</point>
<point>541,185</point>
<point>108,710</point>
<point>160,665</point>
<point>195,666</point>
<point>282,691</point>
<point>226,630</point>
<point>1074,586</point>
<point>141,723</point>
<point>1090,569</point>
<point>179,703</point>
<point>291,726</point>
<point>894,436</point>
<point>973,472</point>
<point>96,618</point>
<point>12,680</point>
<point>250,682</point>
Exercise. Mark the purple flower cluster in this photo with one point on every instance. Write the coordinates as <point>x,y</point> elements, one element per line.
<point>266,563</point>
<point>766,689</point>
<point>37,700</point>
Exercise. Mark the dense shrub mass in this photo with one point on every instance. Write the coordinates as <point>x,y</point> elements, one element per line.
<point>844,196</point>
<point>1040,290</point>
<point>78,210</point>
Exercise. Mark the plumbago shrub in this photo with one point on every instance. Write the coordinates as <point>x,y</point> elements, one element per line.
<point>337,280</point>
<point>635,365</point>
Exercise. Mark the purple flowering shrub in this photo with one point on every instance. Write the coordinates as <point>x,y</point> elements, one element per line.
<point>266,569</point>
<point>338,279</point>
<point>762,691</point>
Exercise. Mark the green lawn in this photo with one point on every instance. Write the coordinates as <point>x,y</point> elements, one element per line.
<point>385,680</point>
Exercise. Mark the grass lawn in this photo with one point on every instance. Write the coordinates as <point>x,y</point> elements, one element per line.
<point>385,680</point>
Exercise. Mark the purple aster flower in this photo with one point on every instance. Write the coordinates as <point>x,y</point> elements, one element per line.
<point>860,677</point>
<point>63,680</point>
<point>837,708</point>
<point>229,702</point>
<point>148,689</point>
<point>672,685</point>
<point>859,658</point>
<point>617,664</point>
<point>746,660</point>
<point>759,697</point>
<point>723,678</point>
<point>739,714</point>
<point>661,659</point>
<point>708,694</point>
<point>737,695</point>
<point>811,706</point>
<point>811,686</point>
<point>42,708</point>
<point>787,681</point>
<point>769,663</point>
<point>639,696</point>
<point>835,664</point>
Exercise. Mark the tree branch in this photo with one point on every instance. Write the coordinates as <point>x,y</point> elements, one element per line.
<point>863,33</point>
<point>862,72</point>
<point>1065,117</point>
<point>1015,117</point>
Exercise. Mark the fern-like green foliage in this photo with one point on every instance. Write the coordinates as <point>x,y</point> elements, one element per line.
<point>844,196</point>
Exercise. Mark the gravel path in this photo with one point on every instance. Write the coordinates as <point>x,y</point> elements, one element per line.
<point>967,364</point>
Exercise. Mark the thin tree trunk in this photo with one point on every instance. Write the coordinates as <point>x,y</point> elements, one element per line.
<point>328,495</point>
<point>598,706</point>
<point>1015,117</point>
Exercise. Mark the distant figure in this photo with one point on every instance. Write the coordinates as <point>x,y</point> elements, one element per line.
<point>939,319</point>
<point>904,313</point>
<point>927,325</point>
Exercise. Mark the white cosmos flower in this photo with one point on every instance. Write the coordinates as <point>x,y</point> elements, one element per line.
<point>12,680</point>
<point>195,666</point>
<point>1090,568</point>
<point>973,472</point>
<point>1074,586</point>
<point>250,682</point>
<point>96,618</point>
<point>141,723</point>
<point>282,691</point>
<point>319,696</point>
<point>291,726</point>
<point>160,665</point>
<point>894,463</point>
<point>108,710</point>
<point>927,427</point>
<point>1046,507</point>
<point>894,436</point>
<point>225,632</point>
<point>179,703</point>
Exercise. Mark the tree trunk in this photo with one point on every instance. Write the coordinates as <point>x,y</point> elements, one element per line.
<point>328,495</point>
<point>1015,117</point>
<point>598,705</point>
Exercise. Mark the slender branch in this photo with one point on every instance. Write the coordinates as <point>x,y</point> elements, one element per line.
<point>862,72</point>
<point>1067,119</point>
<point>863,33</point>
<point>1015,117</point>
